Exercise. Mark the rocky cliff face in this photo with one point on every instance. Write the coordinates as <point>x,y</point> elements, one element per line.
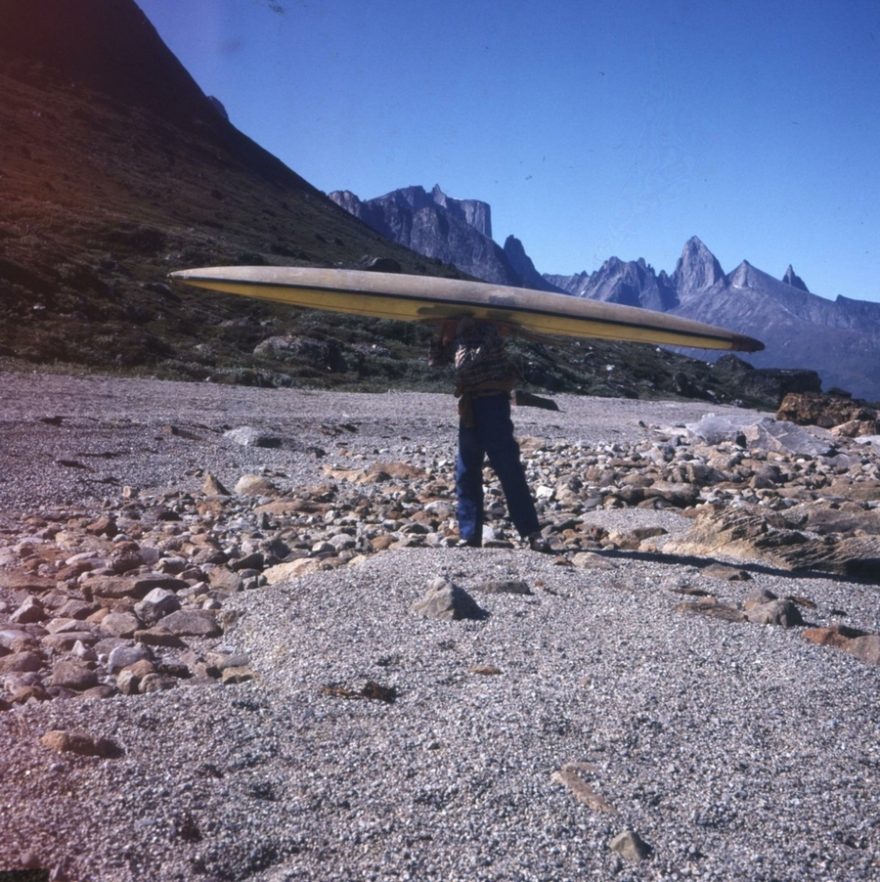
<point>454,231</point>
<point>697,268</point>
<point>793,279</point>
<point>630,283</point>
<point>528,276</point>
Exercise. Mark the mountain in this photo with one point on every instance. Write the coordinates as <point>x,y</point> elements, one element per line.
<point>528,276</point>
<point>631,283</point>
<point>793,279</point>
<point>840,339</point>
<point>454,231</point>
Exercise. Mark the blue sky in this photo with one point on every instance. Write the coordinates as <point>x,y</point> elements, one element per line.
<point>592,127</point>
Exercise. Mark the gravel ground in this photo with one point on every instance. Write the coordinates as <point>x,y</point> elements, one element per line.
<point>735,751</point>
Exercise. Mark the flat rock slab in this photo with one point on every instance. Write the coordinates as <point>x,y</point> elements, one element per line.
<point>64,741</point>
<point>190,623</point>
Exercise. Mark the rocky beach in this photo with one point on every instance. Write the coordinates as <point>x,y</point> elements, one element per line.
<point>235,643</point>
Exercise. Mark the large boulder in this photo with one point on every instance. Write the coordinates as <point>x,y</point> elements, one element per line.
<point>828,411</point>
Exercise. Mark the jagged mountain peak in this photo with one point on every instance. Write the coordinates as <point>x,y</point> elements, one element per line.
<point>745,276</point>
<point>697,268</point>
<point>793,279</point>
<point>522,265</point>
<point>455,231</point>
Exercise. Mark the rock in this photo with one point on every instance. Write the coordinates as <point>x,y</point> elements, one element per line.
<point>786,437</point>
<point>77,609</point>
<point>156,636</point>
<point>103,526</point>
<point>766,476</point>
<point>74,741</point>
<point>223,579</point>
<point>156,683</point>
<point>83,652</point>
<point>324,354</point>
<point>343,541</point>
<point>291,570</point>
<point>754,533</point>
<point>630,846</point>
<point>504,586</point>
<point>247,436</point>
<point>127,682</point>
<point>715,429</point>
<point>30,611</point>
<point>11,639</point>
<point>120,624</point>
<point>252,561</point>
<point>191,623</point>
<point>143,585</point>
<point>21,662</point>
<point>866,648</point>
<point>447,602</point>
<point>589,560</point>
<point>774,612</point>
<point>677,494</point>
<point>823,518</point>
<point>159,603</point>
<point>858,643</point>
<point>64,626</point>
<point>212,486</point>
<point>632,539</point>
<point>255,485</point>
<point>97,692</point>
<point>236,674</point>
<point>140,669</point>
<point>66,640</point>
<point>855,557</point>
<point>73,674</point>
<point>812,408</point>
<point>111,588</point>
<point>854,428</point>
<point>124,656</point>
<point>25,583</point>
<point>217,662</point>
<point>29,692</point>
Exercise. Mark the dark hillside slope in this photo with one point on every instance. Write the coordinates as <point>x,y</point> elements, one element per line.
<point>116,168</point>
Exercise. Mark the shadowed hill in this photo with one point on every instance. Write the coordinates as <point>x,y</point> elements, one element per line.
<point>116,169</point>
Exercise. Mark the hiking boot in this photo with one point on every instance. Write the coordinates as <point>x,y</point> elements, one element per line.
<point>474,542</point>
<point>537,542</point>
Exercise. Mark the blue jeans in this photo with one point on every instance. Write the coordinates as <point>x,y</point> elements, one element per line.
<point>492,436</point>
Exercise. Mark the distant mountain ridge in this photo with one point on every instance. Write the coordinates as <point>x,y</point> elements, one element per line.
<point>840,339</point>
<point>455,231</point>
